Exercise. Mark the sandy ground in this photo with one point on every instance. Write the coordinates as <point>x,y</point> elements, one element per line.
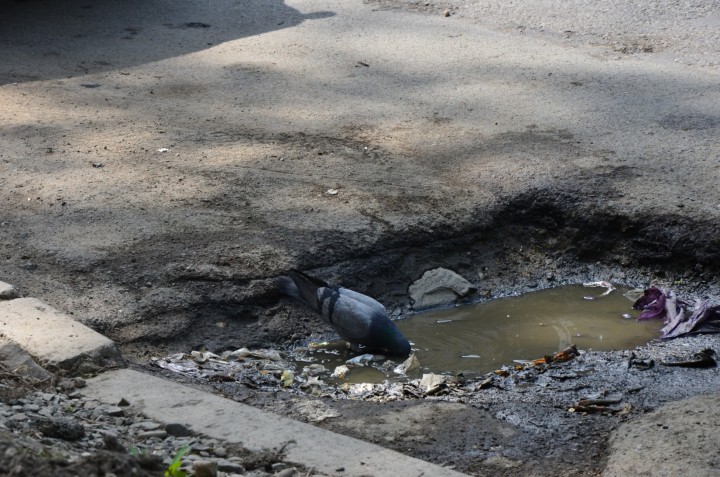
<point>160,161</point>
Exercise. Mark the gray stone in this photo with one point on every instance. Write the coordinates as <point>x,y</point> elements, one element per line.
<point>177,430</point>
<point>439,287</point>
<point>17,360</point>
<point>220,451</point>
<point>205,468</point>
<point>229,466</point>
<point>146,425</point>
<point>62,428</point>
<point>17,417</point>
<point>7,291</point>
<point>110,439</point>
<point>160,434</point>
<point>291,472</point>
<point>114,411</point>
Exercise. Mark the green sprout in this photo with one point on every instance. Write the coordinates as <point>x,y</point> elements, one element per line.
<point>173,469</point>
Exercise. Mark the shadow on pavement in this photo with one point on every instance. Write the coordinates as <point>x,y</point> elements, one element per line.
<point>46,39</point>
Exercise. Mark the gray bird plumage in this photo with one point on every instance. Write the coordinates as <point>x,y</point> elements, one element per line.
<point>356,317</point>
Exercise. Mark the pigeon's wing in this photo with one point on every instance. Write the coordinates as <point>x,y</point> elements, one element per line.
<point>371,303</point>
<point>304,288</point>
<point>351,318</point>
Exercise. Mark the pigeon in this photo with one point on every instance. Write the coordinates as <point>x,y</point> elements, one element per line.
<point>357,318</point>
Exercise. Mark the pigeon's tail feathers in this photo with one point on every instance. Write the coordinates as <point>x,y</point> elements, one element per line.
<point>287,286</point>
<point>299,276</point>
<point>301,287</point>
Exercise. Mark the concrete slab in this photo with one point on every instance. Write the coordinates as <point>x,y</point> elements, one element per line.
<point>221,418</point>
<point>679,438</point>
<point>7,291</point>
<point>53,338</point>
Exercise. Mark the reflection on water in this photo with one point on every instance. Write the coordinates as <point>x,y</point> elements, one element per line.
<point>479,338</point>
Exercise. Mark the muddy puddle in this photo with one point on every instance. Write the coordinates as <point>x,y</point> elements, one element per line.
<point>480,338</point>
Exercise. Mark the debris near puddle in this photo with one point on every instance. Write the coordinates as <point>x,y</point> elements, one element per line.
<point>340,372</point>
<point>663,304</point>
<point>561,356</point>
<point>609,288</point>
<point>641,364</point>
<point>269,370</point>
<point>701,359</point>
<point>601,403</point>
<point>410,364</point>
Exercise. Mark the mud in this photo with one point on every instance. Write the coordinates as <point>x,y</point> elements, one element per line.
<point>156,175</point>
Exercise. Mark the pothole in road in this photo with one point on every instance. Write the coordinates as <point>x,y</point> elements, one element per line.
<point>469,340</point>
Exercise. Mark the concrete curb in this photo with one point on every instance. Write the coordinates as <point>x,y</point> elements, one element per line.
<point>54,339</point>
<point>220,418</point>
<point>7,291</point>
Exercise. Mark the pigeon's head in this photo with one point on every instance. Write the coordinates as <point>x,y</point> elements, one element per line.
<point>400,345</point>
<point>389,338</point>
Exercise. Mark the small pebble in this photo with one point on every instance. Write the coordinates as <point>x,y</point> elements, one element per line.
<point>114,411</point>
<point>146,425</point>
<point>205,468</point>
<point>177,430</point>
<point>286,472</point>
<point>229,466</point>
<point>150,434</point>
<point>20,416</point>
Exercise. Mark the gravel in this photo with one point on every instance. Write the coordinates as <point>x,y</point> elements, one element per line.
<point>57,431</point>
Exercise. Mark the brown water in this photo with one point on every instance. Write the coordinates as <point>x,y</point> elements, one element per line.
<point>482,337</point>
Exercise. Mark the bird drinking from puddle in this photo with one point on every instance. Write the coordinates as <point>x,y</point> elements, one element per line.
<point>357,318</point>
